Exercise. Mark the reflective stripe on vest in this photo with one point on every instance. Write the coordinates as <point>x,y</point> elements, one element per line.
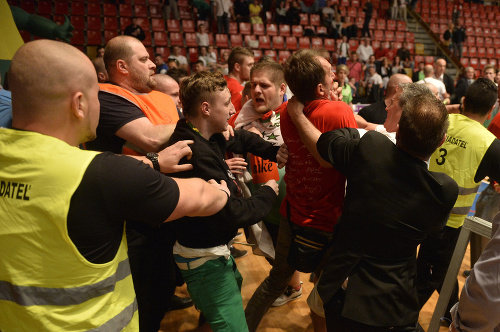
<point>459,157</point>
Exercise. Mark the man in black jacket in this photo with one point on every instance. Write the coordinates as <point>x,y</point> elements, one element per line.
<point>392,202</point>
<point>202,251</point>
<point>440,75</point>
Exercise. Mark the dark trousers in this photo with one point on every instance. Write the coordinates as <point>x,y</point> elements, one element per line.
<point>336,323</point>
<point>366,27</point>
<point>433,260</point>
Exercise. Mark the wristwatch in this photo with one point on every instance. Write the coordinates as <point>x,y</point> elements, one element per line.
<point>153,157</point>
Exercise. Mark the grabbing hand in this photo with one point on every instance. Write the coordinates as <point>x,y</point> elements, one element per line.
<point>274,186</point>
<point>294,107</point>
<point>169,157</point>
<point>282,156</point>
<point>222,186</point>
<point>237,165</point>
<point>228,132</point>
<point>64,32</point>
<point>336,92</point>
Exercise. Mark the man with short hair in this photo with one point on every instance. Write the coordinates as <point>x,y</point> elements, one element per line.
<point>100,69</point>
<point>364,50</point>
<point>198,66</point>
<point>169,86</point>
<point>418,74</point>
<point>376,113</point>
<point>71,269</point>
<point>440,75</point>
<point>429,78</point>
<point>202,249</point>
<point>239,64</point>
<point>463,84</point>
<point>368,283</point>
<point>314,194</point>
<point>489,72</point>
<point>469,154</point>
<point>161,66</point>
<point>175,53</point>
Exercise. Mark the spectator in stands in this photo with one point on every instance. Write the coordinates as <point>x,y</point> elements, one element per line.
<point>327,14</point>
<point>336,25</point>
<point>175,53</point>
<point>397,66</point>
<point>355,68</point>
<point>100,69</point>
<point>373,85</point>
<point>208,60</point>
<point>170,6</point>
<point>376,113</point>
<point>405,56</point>
<point>497,77</point>
<point>458,38</point>
<point>448,36</point>
<point>280,15</point>
<point>402,10</point>
<point>223,12</point>
<point>342,74</point>
<point>241,11</point>
<point>390,51</point>
<point>161,66</point>
<point>368,10</point>
<point>457,9</point>
<point>370,63</point>
<point>429,78</point>
<point>135,30</point>
<point>177,74</point>
<point>489,72</point>
<point>172,63</point>
<point>197,66</point>
<point>462,85</point>
<point>385,71</point>
<point>222,63</point>
<point>100,51</point>
<point>202,36</point>
<point>309,6</point>
<point>394,9</point>
<point>293,13</point>
<point>343,51</point>
<point>440,75</point>
<point>418,74</point>
<point>239,64</point>
<point>255,9</point>
<point>349,28</point>
<point>201,10</point>
<point>364,50</point>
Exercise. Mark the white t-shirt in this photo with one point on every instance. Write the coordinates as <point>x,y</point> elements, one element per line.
<point>181,58</point>
<point>376,79</point>
<point>222,6</point>
<point>437,83</point>
<point>202,39</point>
<point>364,52</point>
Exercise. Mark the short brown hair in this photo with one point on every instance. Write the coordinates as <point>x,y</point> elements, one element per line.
<point>199,88</point>
<point>118,48</point>
<point>275,71</point>
<point>303,73</point>
<point>238,55</point>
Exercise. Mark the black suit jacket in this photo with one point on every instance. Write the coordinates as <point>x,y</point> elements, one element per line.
<point>460,90</point>
<point>374,113</point>
<point>448,83</point>
<point>392,202</point>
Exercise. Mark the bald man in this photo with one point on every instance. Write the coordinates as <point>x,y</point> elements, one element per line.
<point>440,75</point>
<point>63,251</point>
<point>433,89</point>
<point>376,113</point>
<point>429,78</point>
<point>169,86</point>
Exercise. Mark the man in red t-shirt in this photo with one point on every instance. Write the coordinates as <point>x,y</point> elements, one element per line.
<point>240,62</point>
<point>314,194</point>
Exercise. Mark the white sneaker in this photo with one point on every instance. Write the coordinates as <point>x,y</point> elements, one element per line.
<point>289,295</point>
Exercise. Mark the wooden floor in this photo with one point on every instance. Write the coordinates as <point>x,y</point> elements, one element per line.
<point>291,317</point>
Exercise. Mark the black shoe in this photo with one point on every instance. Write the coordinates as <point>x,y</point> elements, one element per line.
<point>236,253</point>
<point>466,273</point>
<point>177,303</point>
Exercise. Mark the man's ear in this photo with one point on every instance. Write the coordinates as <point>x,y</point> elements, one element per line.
<point>102,77</point>
<point>282,89</point>
<point>121,66</point>
<point>237,67</point>
<point>77,106</point>
<point>320,90</point>
<point>205,108</point>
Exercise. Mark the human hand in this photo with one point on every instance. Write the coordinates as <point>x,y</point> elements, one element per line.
<point>274,186</point>
<point>169,157</point>
<point>294,107</point>
<point>336,92</point>
<point>254,130</point>
<point>453,328</point>
<point>64,31</point>
<point>237,165</point>
<point>222,186</point>
<point>282,156</point>
<point>228,132</point>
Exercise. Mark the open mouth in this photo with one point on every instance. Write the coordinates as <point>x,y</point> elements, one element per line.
<point>259,100</point>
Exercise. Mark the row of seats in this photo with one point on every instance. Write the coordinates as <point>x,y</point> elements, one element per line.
<point>478,63</point>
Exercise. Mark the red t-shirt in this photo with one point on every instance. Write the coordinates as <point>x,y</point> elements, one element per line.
<point>494,126</point>
<point>315,194</point>
<point>235,88</point>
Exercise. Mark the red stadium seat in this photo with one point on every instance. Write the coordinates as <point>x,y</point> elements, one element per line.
<point>157,24</point>
<point>310,28</point>
<point>272,29</point>
<point>418,59</point>
<point>110,23</point>
<point>190,38</point>
<point>185,13</point>
<point>93,8</point>
<point>236,40</point>
<point>94,22</point>
<point>391,25</point>
<point>481,52</point>
<point>233,27</point>
<point>283,56</point>
<point>479,41</point>
<point>271,53</point>
<point>109,9</point>
<point>188,26</point>
<point>278,42</point>
<point>464,61</point>
<point>258,29</point>
<point>78,38</point>
<point>257,54</point>
<point>330,44</point>
<point>429,60</point>
<point>221,41</point>
<point>285,30</point>
<point>173,26</point>
<point>193,54</point>
<point>124,22</point>
<point>160,38</point>
<point>125,10</point>
<point>304,19</point>
<point>352,11</point>
<point>176,39</point>
<point>400,36</point>
<point>94,37</point>
<point>321,30</point>
<point>154,11</point>
<point>77,8</point>
<point>465,51</point>
<point>496,43</point>
<point>297,31</point>
<point>472,51</point>
<point>245,28</point>
<point>140,11</point>
<point>304,42</point>
<point>490,52</point>
<point>264,42</point>
<point>45,8</point>
<point>109,34</point>
<point>251,41</point>
<point>379,35</point>
<point>78,22</point>
<point>353,44</point>
<point>482,63</point>
<point>381,24</point>
<point>144,24</point>
<point>317,42</point>
<point>315,19</point>
<point>389,35</point>
<point>291,43</point>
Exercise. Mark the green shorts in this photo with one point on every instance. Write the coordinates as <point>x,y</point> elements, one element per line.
<point>215,288</point>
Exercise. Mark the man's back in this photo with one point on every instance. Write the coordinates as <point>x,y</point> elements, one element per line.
<point>315,194</point>
<point>381,225</point>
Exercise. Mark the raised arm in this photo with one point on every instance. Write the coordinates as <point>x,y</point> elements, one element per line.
<point>143,134</point>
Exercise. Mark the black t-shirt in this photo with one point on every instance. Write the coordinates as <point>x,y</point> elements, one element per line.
<point>375,113</point>
<point>116,111</point>
<point>490,165</point>
<point>115,189</point>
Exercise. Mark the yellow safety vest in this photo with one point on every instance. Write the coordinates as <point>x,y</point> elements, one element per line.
<point>459,157</point>
<point>45,283</point>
